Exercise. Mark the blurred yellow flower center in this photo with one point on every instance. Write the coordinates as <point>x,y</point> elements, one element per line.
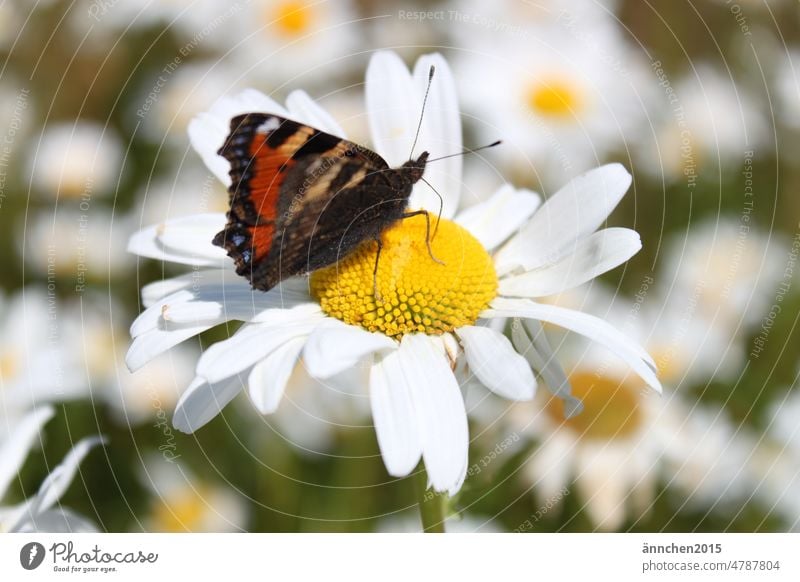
<point>555,97</point>
<point>8,365</point>
<point>610,407</point>
<point>292,18</point>
<point>415,293</point>
<point>179,513</point>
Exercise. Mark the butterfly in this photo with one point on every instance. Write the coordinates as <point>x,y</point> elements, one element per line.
<point>302,199</point>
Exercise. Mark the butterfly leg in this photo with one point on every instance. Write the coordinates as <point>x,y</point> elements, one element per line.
<point>427,230</point>
<point>375,292</point>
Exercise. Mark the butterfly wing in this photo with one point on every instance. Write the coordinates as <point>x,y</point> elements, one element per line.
<point>300,198</point>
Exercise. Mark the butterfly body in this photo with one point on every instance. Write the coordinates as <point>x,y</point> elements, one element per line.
<point>302,199</point>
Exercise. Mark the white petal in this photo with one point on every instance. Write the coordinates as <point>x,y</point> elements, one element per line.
<point>156,290</point>
<point>207,131</point>
<point>253,341</point>
<point>536,349</point>
<point>496,219</point>
<point>57,482</point>
<point>394,416</point>
<point>202,401</point>
<point>590,257</point>
<point>192,234</point>
<point>592,327</point>
<point>440,135</point>
<point>155,342</point>
<point>60,520</point>
<point>335,346</point>
<point>492,358</point>
<point>575,211</point>
<point>439,408</point>
<point>185,240</point>
<point>269,377</point>
<point>304,109</point>
<point>211,300</point>
<point>14,450</point>
<point>602,484</point>
<point>392,106</point>
<point>549,467</point>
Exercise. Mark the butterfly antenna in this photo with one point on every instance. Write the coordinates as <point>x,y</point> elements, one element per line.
<point>465,152</point>
<point>424,101</point>
<point>441,207</point>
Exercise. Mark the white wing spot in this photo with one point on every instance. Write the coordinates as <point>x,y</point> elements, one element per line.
<point>270,124</point>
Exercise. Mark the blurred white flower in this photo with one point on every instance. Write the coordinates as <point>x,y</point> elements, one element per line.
<point>515,250</point>
<point>625,441</point>
<point>42,512</point>
<point>79,160</point>
<point>181,502</point>
<point>729,268</point>
<point>713,122</point>
<point>609,450</point>
<point>409,522</point>
<point>775,464</point>
<point>194,190</point>
<point>75,244</point>
<point>167,104</point>
<point>786,81</point>
<point>279,40</point>
<point>99,343</point>
<point>38,362</point>
<point>562,95</point>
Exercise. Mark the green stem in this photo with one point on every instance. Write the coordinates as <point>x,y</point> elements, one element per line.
<point>431,505</point>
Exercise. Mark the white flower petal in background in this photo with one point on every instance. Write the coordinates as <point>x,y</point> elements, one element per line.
<point>36,513</point>
<point>15,448</point>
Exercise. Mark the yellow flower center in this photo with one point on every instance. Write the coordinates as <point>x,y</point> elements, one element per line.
<point>610,407</point>
<point>415,293</point>
<point>291,18</point>
<point>181,512</point>
<point>555,97</point>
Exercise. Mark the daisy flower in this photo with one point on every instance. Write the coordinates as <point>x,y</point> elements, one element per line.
<point>625,441</point>
<point>563,94</point>
<point>498,258</point>
<point>40,512</point>
<point>279,40</point>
